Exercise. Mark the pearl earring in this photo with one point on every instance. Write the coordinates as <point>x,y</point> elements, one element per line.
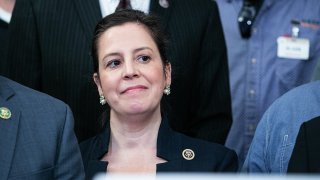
<point>102,100</point>
<point>166,90</point>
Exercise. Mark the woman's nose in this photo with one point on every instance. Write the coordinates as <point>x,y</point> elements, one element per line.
<point>130,70</point>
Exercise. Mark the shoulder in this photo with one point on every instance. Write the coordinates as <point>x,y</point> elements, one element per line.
<point>215,155</point>
<point>279,126</point>
<point>189,154</point>
<point>36,107</point>
<point>301,103</point>
<point>28,96</point>
<point>289,111</point>
<point>206,149</point>
<point>307,93</point>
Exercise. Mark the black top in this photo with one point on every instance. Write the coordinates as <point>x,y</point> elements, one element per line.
<point>305,156</point>
<point>208,157</point>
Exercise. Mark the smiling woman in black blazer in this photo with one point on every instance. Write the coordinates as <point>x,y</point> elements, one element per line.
<point>132,72</point>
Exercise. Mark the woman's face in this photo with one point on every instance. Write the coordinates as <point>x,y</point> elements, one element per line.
<point>131,75</point>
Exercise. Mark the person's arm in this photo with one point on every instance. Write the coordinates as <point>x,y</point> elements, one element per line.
<point>69,163</point>
<point>212,92</point>
<point>23,58</point>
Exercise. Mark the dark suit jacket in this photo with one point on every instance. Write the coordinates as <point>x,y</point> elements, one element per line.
<point>306,153</point>
<point>3,44</point>
<point>209,157</point>
<point>37,141</point>
<point>49,51</point>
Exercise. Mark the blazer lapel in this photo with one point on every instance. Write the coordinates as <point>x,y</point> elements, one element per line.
<point>89,13</point>
<point>8,131</point>
<point>169,149</point>
<point>163,13</point>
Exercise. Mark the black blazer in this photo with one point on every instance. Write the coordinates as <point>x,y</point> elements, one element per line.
<point>306,153</point>
<point>208,157</point>
<point>49,48</point>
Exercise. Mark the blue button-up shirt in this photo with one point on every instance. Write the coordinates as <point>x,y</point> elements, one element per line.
<point>277,131</point>
<point>257,75</point>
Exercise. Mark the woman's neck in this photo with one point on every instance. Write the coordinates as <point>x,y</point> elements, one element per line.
<point>133,143</point>
<point>130,132</point>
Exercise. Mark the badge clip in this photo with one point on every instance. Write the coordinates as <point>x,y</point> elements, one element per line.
<point>295,28</point>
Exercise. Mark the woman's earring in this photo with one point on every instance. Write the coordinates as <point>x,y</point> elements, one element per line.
<point>102,100</point>
<point>166,90</point>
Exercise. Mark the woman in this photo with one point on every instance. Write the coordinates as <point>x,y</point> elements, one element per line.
<point>132,73</point>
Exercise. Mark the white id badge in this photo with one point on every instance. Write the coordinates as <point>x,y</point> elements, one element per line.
<point>293,48</point>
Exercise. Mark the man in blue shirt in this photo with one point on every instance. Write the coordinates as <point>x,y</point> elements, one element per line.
<point>263,65</point>
<point>276,133</point>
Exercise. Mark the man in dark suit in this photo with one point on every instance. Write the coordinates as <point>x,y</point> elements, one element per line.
<point>3,39</point>
<point>6,8</point>
<point>305,157</point>
<point>36,136</point>
<point>49,51</point>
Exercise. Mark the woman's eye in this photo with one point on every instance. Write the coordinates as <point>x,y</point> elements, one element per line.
<point>144,59</point>
<point>113,63</point>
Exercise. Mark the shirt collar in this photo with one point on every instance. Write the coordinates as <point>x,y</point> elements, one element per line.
<point>109,6</point>
<point>5,16</point>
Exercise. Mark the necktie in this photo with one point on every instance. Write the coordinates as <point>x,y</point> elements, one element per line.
<point>123,4</point>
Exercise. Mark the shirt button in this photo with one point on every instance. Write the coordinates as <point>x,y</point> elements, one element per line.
<point>252,92</point>
<point>254,30</point>
<point>253,60</point>
<point>251,129</point>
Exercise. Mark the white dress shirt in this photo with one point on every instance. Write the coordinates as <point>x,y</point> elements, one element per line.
<point>4,15</point>
<point>109,6</point>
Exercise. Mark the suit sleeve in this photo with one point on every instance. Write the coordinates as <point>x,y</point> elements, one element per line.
<point>23,58</point>
<point>299,158</point>
<point>68,160</point>
<point>212,90</point>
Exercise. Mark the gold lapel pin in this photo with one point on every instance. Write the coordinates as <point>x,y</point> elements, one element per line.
<point>5,113</point>
<point>188,154</point>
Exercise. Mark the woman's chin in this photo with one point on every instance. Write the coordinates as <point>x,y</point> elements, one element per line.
<point>136,109</point>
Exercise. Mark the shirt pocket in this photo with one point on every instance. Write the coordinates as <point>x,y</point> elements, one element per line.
<point>293,72</point>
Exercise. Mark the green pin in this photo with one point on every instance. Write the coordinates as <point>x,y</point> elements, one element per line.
<point>5,113</point>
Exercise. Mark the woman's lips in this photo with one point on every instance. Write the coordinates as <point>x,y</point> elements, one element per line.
<point>133,88</point>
